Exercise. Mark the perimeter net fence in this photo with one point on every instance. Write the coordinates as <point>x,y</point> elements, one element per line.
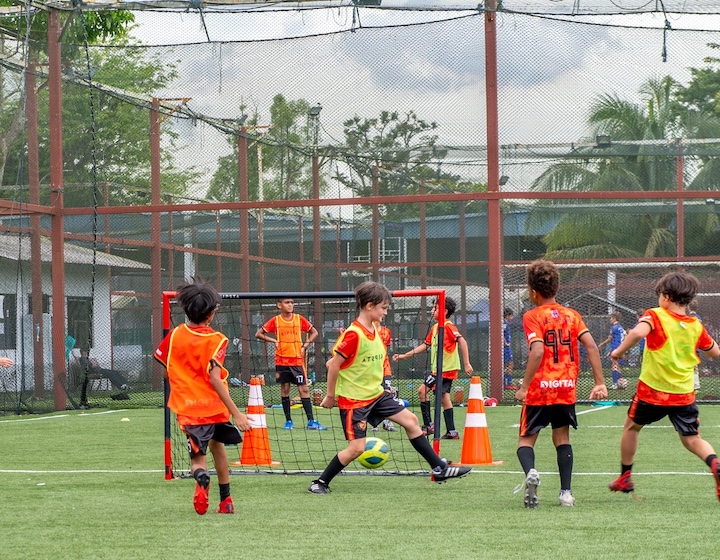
<point>308,148</point>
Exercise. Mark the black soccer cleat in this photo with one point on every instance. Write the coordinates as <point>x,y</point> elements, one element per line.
<point>319,487</point>
<point>448,471</point>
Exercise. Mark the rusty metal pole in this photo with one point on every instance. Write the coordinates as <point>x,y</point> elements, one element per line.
<point>38,329</point>
<point>317,278</point>
<point>495,230</point>
<point>155,236</point>
<point>59,322</point>
<point>680,187</point>
<point>375,237</point>
<point>244,195</point>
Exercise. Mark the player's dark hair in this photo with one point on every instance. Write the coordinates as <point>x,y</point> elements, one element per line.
<point>198,299</point>
<point>507,312</point>
<point>450,306</point>
<point>371,292</point>
<point>679,286</point>
<point>543,277</point>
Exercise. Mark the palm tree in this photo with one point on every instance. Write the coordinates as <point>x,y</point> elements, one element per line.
<point>643,156</point>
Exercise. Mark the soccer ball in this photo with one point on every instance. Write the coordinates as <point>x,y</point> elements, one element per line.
<point>375,455</point>
<point>622,383</point>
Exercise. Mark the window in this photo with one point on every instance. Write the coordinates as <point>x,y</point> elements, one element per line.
<point>8,321</point>
<point>79,311</point>
<point>45,303</point>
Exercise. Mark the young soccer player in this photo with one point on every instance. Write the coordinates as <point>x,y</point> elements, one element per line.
<point>508,315</point>
<point>665,386</point>
<point>548,390</point>
<point>386,337</point>
<point>454,345</point>
<point>287,329</point>
<point>193,355</point>
<point>354,383</point>
<point>615,337</point>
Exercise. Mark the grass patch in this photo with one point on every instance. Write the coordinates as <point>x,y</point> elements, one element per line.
<point>91,486</point>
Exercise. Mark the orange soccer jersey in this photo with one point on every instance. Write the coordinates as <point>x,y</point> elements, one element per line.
<point>386,337</point>
<point>558,328</point>
<point>187,352</point>
<point>289,338</point>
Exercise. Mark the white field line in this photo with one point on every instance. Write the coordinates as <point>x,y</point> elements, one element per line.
<point>55,416</point>
<point>78,471</point>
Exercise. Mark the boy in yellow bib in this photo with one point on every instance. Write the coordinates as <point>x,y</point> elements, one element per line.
<point>665,387</point>
<point>354,383</point>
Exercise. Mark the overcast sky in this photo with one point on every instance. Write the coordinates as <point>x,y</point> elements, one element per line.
<point>549,70</point>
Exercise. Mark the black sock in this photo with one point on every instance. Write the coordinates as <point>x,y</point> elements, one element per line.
<point>449,415</point>
<point>565,465</point>
<point>709,459</point>
<point>286,406</point>
<point>526,455</point>
<point>625,468</point>
<point>224,491</point>
<point>422,446</point>
<point>202,477</point>
<point>307,405</point>
<point>425,410</point>
<point>332,470</point>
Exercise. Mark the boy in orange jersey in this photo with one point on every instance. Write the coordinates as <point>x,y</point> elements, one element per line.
<point>453,342</point>
<point>354,383</point>
<point>287,330</point>
<point>193,355</point>
<point>665,386</point>
<point>386,337</point>
<point>548,389</point>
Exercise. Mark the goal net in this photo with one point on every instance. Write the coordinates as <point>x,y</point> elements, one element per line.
<point>251,366</point>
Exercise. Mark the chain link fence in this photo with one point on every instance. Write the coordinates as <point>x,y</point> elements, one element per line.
<point>311,149</point>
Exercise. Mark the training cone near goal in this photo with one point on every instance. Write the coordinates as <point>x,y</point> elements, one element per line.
<point>476,448</point>
<point>256,443</point>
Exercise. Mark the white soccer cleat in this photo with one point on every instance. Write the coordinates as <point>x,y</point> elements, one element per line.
<point>566,498</point>
<point>532,481</point>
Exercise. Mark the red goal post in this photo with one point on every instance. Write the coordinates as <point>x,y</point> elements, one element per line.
<point>241,310</point>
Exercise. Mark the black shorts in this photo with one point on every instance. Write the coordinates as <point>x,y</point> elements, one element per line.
<point>683,418</point>
<point>534,418</point>
<point>355,420</point>
<point>198,436</point>
<point>290,374</point>
<point>431,380</point>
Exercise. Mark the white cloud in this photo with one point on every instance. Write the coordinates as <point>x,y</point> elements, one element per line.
<point>549,71</point>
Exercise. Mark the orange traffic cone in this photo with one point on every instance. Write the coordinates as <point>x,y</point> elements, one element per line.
<point>476,439</point>
<point>256,443</point>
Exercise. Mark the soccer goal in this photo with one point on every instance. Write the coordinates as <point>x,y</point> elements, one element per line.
<point>251,366</point>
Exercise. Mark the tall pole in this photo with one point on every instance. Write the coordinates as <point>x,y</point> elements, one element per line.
<point>317,254</point>
<point>680,187</point>
<point>244,194</point>
<point>59,323</point>
<point>375,237</point>
<point>495,231</point>
<point>35,242</point>
<point>155,236</point>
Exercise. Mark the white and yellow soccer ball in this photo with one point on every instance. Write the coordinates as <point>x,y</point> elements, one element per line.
<point>375,455</point>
